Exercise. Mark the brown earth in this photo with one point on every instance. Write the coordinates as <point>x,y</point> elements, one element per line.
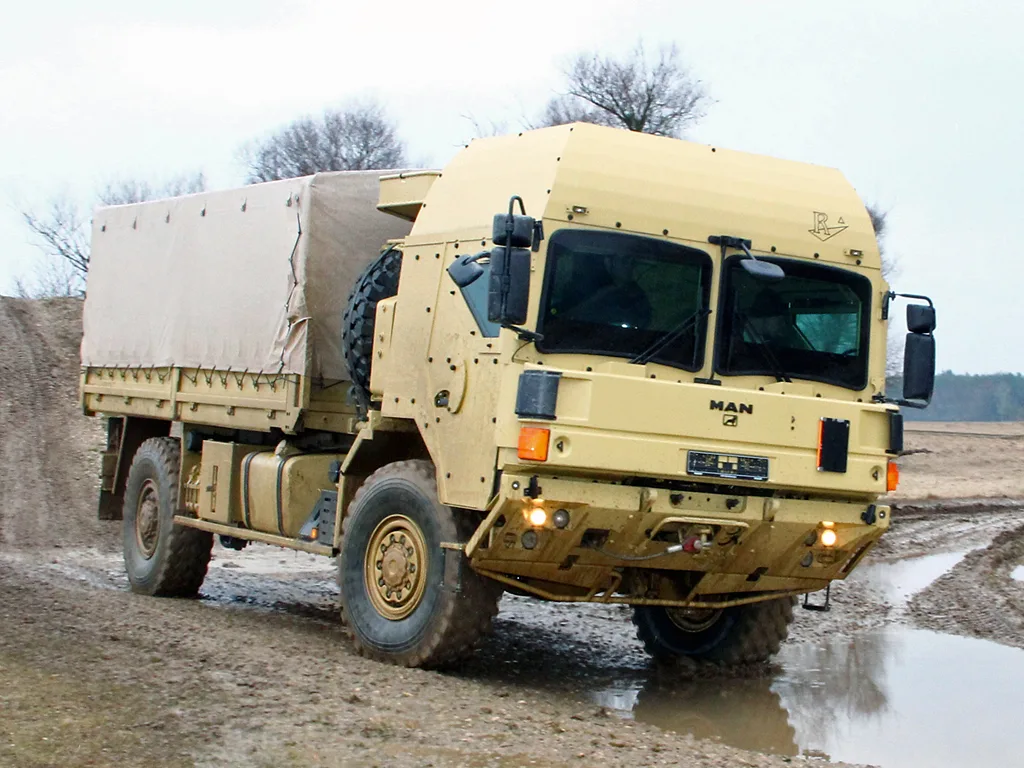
<point>49,452</point>
<point>962,460</point>
<point>258,671</point>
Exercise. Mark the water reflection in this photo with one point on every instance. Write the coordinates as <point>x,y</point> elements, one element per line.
<point>842,681</point>
<point>901,697</point>
<point>710,710</point>
<point>901,579</point>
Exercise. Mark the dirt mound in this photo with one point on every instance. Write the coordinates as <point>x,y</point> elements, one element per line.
<point>49,451</point>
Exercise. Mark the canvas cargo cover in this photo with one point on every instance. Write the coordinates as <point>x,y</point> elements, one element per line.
<point>249,279</point>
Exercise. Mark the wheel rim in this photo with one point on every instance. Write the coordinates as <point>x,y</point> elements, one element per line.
<point>147,519</point>
<point>693,619</point>
<point>394,567</point>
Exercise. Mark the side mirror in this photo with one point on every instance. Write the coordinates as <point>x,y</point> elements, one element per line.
<point>919,351</point>
<point>920,318</point>
<point>762,270</point>
<point>919,367</point>
<point>512,229</point>
<point>509,292</point>
<point>466,269</point>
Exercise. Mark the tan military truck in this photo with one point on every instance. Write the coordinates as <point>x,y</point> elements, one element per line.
<point>581,364</point>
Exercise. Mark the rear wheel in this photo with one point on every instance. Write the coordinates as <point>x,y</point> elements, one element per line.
<point>161,558</point>
<point>391,570</point>
<point>742,634</point>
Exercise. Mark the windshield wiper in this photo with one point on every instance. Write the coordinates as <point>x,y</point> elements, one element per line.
<point>766,351</point>
<point>671,335</point>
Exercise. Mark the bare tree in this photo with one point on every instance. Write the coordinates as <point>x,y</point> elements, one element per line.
<point>62,233</point>
<point>483,129</point>
<point>358,137</point>
<point>125,191</point>
<point>51,277</point>
<point>890,269</point>
<point>878,222</point>
<point>658,96</point>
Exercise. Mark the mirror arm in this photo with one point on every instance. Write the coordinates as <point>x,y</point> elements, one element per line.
<point>524,334</point>
<point>728,241</point>
<point>893,294</point>
<point>919,404</point>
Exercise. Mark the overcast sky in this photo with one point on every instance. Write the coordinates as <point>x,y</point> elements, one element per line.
<point>918,103</point>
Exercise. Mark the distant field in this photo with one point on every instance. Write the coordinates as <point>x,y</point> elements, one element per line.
<point>962,460</point>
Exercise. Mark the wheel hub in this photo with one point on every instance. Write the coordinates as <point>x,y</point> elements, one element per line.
<point>394,563</point>
<point>147,518</point>
<point>693,619</point>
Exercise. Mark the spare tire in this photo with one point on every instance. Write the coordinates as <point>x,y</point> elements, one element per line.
<point>378,281</point>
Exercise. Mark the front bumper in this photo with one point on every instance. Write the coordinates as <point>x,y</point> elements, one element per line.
<point>749,544</point>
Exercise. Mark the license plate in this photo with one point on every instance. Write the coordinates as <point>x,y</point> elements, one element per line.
<point>729,466</point>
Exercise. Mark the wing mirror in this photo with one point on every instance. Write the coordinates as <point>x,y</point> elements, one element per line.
<point>508,291</point>
<point>753,266</point>
<point>918,351</point>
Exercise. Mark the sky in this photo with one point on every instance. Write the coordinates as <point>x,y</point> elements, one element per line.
<point>916,102</point>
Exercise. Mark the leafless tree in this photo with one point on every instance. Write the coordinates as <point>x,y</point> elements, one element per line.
<point>50,277</point>
<point>890,269</point>
<point>659,95</point>
<point>358,137</point>
<point>879,219</point>
<point>124,191</point>
<point>485,128</point>
<point>61,232</point>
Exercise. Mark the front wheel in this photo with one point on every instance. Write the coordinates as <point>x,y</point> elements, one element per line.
<point>391,572</point>
<point>161,558</point>
<point>743,634</point>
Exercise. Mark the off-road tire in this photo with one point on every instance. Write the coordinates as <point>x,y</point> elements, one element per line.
<point>177,564</point>
<point>378,281</point>
<point>744,634</point>
<point>445,625</point>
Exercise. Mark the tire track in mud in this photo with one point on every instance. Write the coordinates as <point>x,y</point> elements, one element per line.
<point>978,597</point>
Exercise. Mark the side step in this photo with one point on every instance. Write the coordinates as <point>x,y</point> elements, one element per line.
<point>245,533</point>
<point>826,606</point>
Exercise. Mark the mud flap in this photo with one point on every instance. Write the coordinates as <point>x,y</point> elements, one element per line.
<point>124,436</point>
<point>452,557</point>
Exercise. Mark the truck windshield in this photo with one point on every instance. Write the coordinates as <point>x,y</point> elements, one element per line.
<point>813,324</point>
<point>609,293</point>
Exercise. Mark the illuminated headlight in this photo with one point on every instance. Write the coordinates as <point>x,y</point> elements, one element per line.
<point>828,538</point>
<point>538,516</point>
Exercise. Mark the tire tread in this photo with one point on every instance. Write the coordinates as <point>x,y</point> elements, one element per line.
<point>461,622</point>
<point>182,571</point>
<point>757,634</point>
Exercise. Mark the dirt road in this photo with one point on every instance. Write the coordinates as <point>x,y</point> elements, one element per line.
<point>258,671</point>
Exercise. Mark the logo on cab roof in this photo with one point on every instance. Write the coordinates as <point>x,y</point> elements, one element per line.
<point>823,230</point>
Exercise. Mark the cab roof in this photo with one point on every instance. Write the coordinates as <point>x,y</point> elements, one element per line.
<point>590,175</point>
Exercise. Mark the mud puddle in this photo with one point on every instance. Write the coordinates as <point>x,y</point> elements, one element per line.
<point>899,580</point>
<point>895,696</point>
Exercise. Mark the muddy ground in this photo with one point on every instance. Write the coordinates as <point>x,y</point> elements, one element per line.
<point>258,671</point>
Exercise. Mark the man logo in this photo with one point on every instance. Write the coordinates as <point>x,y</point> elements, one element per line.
<point>822,230</point>
<point>721,405</point>
<point>730,419</point>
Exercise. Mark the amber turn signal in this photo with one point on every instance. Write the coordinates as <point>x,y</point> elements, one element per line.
<point>533,443</point>
<point>892,476</point>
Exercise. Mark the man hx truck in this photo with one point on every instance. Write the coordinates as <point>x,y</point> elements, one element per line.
<point>579,363</point>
